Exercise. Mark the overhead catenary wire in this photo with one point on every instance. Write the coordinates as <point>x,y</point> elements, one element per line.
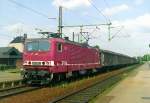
<point>77,13</point>
<point>117,33</point>
<point>107,4</point>
<point>82,20</point>
<point>46,16</point>
<point>30,9</point>
<point>99,11</point>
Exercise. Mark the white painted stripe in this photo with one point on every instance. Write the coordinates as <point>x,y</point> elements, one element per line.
<point>50,63</point>
<point>83,64</point>
<point>63,63</point>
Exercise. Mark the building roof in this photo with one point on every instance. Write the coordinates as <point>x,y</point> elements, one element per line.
<point>9,52</point>
<point>18,39</point>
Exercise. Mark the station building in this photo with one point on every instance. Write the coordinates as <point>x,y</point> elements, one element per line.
<point>12,55</point>
<point>9,56</point>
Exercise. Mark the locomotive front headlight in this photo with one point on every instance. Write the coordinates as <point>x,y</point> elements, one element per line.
<point>29,63</point>
<point>43,63</point>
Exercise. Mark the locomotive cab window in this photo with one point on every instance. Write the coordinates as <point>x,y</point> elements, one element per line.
<point>59,47</point>
<point>38,45</point>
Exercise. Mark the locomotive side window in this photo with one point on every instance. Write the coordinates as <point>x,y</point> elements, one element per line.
<point>59,47</point>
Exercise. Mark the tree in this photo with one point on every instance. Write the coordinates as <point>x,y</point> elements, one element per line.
<point>97,46</point>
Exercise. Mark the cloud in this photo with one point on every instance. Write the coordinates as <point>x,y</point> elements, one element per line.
<point>19,28</point>
<point>116,9</point>
<point>71,4</point>
<point>139,2</point>
<point>15,28</point>
<point>138,24</point>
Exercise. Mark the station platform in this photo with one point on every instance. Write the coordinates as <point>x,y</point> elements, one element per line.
<point>133,89</point>
<point>8,76</point>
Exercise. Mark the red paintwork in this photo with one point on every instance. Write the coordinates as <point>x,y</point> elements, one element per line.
<point>76,57</point>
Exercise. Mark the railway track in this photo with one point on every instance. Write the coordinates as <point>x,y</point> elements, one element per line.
<point>86,94</point>
<point>16,90</point>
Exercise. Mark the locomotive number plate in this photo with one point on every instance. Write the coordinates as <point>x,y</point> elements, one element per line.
<point>36,63</point>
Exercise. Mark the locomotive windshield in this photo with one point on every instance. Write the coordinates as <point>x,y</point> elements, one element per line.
<point>38,46</point>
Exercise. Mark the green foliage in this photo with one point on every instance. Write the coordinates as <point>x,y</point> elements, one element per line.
<point>96,46</point>
<point>146,57</point>
<point>6,67</point>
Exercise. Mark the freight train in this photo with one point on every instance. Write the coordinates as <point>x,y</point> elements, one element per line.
<point>48,59</point>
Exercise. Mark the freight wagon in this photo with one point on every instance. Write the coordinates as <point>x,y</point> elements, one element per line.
<point>111,59</point>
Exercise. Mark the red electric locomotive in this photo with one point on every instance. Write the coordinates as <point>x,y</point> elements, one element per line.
<point>45,59</point>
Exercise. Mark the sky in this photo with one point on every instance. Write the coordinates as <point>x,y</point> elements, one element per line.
<point>129,33</point>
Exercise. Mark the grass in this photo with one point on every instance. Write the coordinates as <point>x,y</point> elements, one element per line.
<point>11,70</point>
<point>16,70</point>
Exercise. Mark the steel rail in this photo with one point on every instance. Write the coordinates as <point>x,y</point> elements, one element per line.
<point>16,90</point>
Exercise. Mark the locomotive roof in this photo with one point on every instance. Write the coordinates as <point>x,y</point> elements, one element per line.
<point>66,41</point>
<point>79,44</point>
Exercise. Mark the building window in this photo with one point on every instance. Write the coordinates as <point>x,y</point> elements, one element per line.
<point>59,47</point>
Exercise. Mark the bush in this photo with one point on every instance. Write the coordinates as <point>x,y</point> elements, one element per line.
<point>6,67</point>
